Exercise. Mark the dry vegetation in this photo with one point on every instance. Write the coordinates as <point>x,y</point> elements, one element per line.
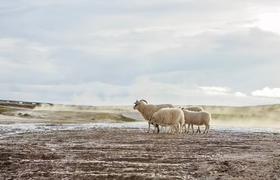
<point>62,117</point>
<point>87,114</point>
<point>265,112</point>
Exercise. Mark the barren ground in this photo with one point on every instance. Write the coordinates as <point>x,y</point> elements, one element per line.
<point>128,153</point>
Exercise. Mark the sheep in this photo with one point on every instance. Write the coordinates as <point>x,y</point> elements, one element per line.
<point>173,117</point>
<point>194,108</point>
<point>160,105</point>
<point>147,110</point>
<point>197,118</point>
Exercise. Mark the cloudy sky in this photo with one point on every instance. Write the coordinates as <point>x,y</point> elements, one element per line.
<point>93,52</point>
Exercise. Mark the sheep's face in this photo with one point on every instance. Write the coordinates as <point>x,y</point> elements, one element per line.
<point>136,104</point>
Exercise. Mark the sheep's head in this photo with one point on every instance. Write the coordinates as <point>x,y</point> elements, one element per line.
<point>136,104</point>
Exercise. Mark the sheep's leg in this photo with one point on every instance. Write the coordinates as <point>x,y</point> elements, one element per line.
<point>192,128</point>
<point>180,128</point>
<point>188,128</point>
<point>149,126</point>
<point>198,130</point>
<point>173,129</point>
<point>206,129</point>
<point>170,129</point>
<point>157,127</point>
<point>177,128</point>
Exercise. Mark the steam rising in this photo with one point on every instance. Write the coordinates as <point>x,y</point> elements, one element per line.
<point>61,107</point>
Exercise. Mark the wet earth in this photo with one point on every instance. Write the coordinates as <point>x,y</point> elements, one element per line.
<point>131,153</point>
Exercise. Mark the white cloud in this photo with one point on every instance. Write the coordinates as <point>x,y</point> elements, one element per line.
<point>27,62</point>
<point>163,92</point>
<point>98,93</point>
<point>215,90</point>
<point>267,92</point>
<point>268,21</point>
<point>114,51</point>
<point>240,94</point>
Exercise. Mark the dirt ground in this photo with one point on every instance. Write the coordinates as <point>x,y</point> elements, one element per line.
<point>117,153</point>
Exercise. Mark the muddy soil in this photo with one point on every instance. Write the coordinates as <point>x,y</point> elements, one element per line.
<point>119,153</point>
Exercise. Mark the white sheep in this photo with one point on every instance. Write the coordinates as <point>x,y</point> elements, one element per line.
<point>147,110</point>
<point>194,108</point>
<point>197,118</point>
<point>159,105</point>
<point>172,117</point>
